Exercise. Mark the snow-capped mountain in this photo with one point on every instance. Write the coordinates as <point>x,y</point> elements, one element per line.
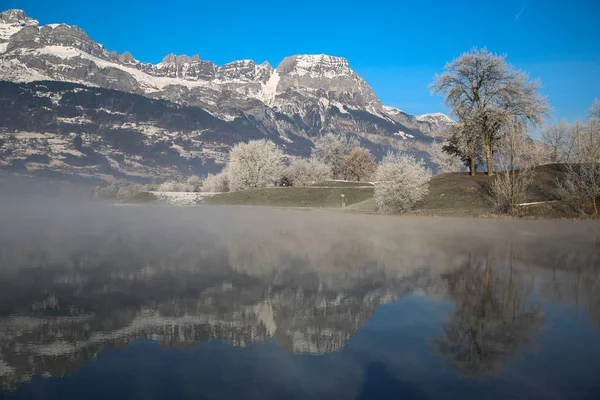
<point>303,97</point>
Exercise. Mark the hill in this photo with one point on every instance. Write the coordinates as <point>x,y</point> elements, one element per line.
<point>461,194</point>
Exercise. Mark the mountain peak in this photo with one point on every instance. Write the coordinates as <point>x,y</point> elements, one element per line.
<point>182,59</point>
<point>313,63</point>
<point>128,58</point>
<point>17,17</point>
<point>435,117</point>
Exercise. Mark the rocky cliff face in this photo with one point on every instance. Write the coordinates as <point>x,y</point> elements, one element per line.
<point>303,97</point>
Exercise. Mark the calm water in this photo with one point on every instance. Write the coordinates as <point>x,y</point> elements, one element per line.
<point>214,303</point>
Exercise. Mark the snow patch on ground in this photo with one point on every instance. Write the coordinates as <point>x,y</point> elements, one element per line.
<point>182,198</point>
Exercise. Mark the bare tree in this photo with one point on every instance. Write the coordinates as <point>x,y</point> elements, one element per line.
<point>517,159</point>
<point>481,87</point>
<point>556,137</point>
<point>444,160</point>
<point>581,184</point>
<point>332,150</point>
<point>303,172</point>
<point>594,111</point>
<point>359,163</point>
<point>254,164</point>
<point>402,181</point>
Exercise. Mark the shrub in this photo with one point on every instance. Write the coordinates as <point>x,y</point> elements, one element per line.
<point>402,181</point>
<point>303,172</point>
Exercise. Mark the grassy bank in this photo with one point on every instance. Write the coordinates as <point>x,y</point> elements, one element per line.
<point>461,194</point>
<point>452,194</point>
<point>309,196</point>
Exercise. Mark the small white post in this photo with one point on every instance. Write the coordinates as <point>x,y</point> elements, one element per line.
<point>343,204</point>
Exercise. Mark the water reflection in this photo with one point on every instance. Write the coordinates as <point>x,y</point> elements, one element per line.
<point>308,283</point>
<point>495,317</point>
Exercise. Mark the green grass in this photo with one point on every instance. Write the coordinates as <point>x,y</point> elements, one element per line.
<point>453,194</point>
<point>461,194</point>
<point>340,184</point>
<point>309,196</point>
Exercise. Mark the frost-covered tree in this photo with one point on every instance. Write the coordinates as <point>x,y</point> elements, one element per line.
<point>581,184</point>
<point>402,181</point>
<point>556,137</point>
<point>444,160</point>
<point>175,186</point>
<point>359,164</point>
<point>332,150</point>
<point>303,172</point>
<point>194,181</point>
<point>464,142</point>
<point>517,158</point>
<point>482,87</point>
<point>216,183</point>
<point>254,164</point>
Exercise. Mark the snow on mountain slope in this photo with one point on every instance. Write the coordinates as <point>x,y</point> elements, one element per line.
<point>11,22</point>
<point>302,98</point>
<point>83,60</point>
<point>437,117</point>
<point>148,83</point>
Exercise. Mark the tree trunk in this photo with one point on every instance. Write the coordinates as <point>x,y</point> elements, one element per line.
<point>472,158</point>
<point>489,155</point>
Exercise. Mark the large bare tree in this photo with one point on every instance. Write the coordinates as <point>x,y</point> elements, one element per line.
<point>479,88</point>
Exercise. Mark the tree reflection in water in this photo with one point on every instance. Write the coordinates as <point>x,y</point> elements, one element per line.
<point>493,320</point>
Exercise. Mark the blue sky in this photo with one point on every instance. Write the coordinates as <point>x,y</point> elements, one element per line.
<point>396,46</point>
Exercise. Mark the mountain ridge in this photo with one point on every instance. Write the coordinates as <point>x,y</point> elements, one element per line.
<point>304,97</point>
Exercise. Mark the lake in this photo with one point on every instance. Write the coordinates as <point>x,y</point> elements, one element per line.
<point>102,302</point>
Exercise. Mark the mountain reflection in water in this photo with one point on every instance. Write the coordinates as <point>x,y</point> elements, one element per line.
<point>77,281</point>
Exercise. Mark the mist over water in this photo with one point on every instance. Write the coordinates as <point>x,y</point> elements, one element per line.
<point>99,301</point>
